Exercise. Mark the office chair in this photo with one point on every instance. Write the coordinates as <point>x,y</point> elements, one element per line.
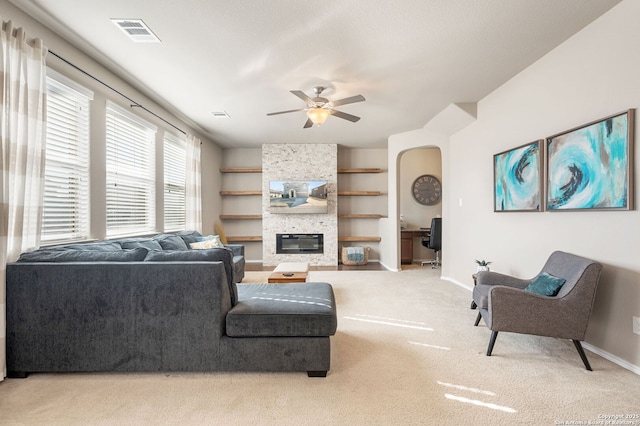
<point>434,241</point>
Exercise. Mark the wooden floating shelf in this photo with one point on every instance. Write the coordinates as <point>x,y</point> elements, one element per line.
<point>240,192</point>
<point>360,216</point>
<point>240,216</point>
<point>244,239</point>
<point>355,239</point>
<point>366,170</point>
<point>241,170</point>
<point>359,192</point>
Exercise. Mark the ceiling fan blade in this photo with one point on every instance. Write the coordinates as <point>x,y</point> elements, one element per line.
<point>285,112</point>
<point>349,100</point>
<point>308,124</point>
<point>345,116</point>
<point>302,95</point>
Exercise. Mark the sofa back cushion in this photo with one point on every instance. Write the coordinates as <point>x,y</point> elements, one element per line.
<point>97,246</point>
<point>189,236</point>
<point>46,255</point>
<point>217,255</point>
<point>171,242</point>
<point>147,243</point>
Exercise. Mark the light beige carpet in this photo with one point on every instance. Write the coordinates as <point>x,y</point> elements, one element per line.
<point>406,353</point>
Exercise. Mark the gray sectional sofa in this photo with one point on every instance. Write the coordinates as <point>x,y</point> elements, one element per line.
<point>108,308</point>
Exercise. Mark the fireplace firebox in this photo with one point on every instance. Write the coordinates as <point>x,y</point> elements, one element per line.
<point>299,243</point>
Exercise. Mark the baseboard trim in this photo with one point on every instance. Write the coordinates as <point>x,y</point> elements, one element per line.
<point>614,359</point>
<point>458,283</point>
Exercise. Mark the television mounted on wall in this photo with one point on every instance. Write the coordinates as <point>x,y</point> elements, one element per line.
<point>298,196</point>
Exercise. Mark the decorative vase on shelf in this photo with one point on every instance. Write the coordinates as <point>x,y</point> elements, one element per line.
<point>403,223</point>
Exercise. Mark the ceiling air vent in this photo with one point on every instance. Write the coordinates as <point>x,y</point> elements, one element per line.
<point>220,114</point>
<point>136,30</point>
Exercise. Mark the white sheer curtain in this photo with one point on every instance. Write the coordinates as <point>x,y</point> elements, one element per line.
<point>22,135</point>
<point>193,198</point>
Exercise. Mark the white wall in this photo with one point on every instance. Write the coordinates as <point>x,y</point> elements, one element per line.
<point>592,75</point>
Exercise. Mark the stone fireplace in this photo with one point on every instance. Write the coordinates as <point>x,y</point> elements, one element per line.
<point>281,162</point>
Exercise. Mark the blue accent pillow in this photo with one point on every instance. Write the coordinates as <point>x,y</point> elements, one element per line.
<point>546,285</point>
<point>189,236</point>
<point>171,242</point>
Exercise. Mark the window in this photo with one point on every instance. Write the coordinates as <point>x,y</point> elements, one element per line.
<point>130,160</point>
<point>66,173</point>
<point>175,163</point>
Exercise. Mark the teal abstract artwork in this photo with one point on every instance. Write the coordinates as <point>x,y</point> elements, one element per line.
<point>588,168</point>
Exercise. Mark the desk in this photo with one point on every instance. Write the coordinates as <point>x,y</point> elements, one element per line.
<point>406,242</point>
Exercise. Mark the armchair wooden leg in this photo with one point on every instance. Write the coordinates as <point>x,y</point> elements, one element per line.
<point>578,346</point>
<point>478,319</point>
<point>492,341</point>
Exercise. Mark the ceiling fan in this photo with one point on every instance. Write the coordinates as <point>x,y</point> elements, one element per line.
<point>319,109</point>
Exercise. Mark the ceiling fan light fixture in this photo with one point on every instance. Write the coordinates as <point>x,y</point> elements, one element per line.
<point>318,115</point>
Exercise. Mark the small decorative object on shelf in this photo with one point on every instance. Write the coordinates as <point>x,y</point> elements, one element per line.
<point>483,265</point>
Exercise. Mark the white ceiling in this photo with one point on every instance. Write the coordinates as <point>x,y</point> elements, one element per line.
<point>408,58</point>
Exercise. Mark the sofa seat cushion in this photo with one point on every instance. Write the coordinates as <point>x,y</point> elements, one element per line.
<point>283,310</point>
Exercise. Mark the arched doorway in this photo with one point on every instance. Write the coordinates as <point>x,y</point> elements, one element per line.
<point>414,163</point>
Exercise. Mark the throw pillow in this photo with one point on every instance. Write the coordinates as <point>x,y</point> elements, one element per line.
<point>546,285</point>
<point>170,242</point>
<point>210,241</point>
<point>189,236</point>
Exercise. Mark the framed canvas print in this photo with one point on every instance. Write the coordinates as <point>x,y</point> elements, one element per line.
<point>590,167</point>
<point>517,179</point>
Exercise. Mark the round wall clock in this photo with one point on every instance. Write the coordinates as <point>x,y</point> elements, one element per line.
<point>427,190</point>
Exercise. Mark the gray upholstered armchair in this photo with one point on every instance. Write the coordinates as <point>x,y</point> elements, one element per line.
<point>505,305</point>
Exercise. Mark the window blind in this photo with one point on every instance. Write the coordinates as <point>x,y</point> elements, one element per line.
<point>175,162</point>
<point>66,174</point>
<point>130,165</point>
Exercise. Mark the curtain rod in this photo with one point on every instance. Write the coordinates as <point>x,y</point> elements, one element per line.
<point>134,104</point>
